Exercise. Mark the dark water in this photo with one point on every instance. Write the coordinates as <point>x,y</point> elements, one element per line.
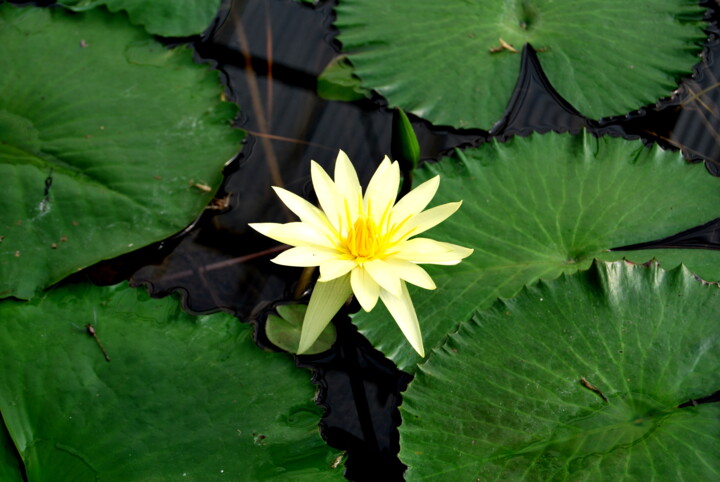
<point>270,53</point>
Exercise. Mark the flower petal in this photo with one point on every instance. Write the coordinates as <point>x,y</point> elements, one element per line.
<point>402,310</point>
<point>415,201</point>
<point>429,251</point>
<point>335,268</point>
<point>325,301</point>
<point>411,273</point>
<point>382,190</point>
<point>384,275</point>
<point>304,210</point>
<point>304,256</point>
<point>348,185</point>
<point>329,197</point>
<point>295,234</point>
<point>365,288</point>
<point>426,220</point>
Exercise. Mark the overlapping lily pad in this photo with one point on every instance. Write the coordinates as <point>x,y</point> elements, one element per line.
<point>445,61</point>
<point>108,142</point>
<point>183,398</point>
<point>169,18</point>
<point>536,207</point>
<point>576,379</point>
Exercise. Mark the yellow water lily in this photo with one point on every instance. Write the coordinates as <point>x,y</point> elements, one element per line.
<point>363,245</point>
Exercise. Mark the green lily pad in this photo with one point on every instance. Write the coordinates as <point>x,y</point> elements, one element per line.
<point>183,398</point>
<point>106,139</point>
<point>169,18</point>
<point>438,59</point>
<point>517,393</point>
<point>284,330</point>
<point>536,207</point>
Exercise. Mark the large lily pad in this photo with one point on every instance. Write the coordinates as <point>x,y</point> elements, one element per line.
<point>517,393</point>
<point>182,398</point>
<point>436,60</point>
<point>103,135</point>
<point>170,18</point>
<point>544,205</point>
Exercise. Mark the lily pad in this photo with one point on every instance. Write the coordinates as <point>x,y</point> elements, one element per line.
<point>445,61</point>
<point>574,379</point>
<point>169,18</point>
<point>104,137</point>
<point>536,207</point>
<point>183,398</point>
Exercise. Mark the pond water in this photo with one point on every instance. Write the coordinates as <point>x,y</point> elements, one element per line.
<point>270,54</point>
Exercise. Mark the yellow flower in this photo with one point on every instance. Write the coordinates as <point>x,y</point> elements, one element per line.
<point>363,244</point>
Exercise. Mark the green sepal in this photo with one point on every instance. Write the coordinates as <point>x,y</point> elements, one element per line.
<point>326,300</point>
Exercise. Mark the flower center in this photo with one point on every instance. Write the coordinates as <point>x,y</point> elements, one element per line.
<point>364,239</point>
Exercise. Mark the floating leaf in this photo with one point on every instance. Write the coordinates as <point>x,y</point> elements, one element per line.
<point>183,398</point>
<point>103,133</point>
<point>169,18</point>
<point>445,61</point>
<point>544,205</point>
<point>517,393</point>
<point>284,330</point>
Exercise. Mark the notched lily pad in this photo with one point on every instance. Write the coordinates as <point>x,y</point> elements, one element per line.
<point>103,132</point>
<point>536,207</point>
<point>455,62</point>
<point>574,379</point>
<point>284,330</point>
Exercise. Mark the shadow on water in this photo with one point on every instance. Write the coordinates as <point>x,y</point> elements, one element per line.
<point>270,54</point>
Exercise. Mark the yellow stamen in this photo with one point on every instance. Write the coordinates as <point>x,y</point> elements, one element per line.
<point>364,240</point>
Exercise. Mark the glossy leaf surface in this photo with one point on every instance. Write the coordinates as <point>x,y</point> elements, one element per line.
<point>445,61</point>
<point>517,393</point>
<point>104,135</point>
<point>183,398</point>
<point>536,207</point>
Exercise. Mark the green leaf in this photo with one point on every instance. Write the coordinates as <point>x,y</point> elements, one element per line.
<point>337,82</point>
<point>103,133</point>
<point>503,398</point>
<point>169,18</point>
<point>183,398</point>
<point>284,330</point>
<point>536,207</point>
<point>434,58</point>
